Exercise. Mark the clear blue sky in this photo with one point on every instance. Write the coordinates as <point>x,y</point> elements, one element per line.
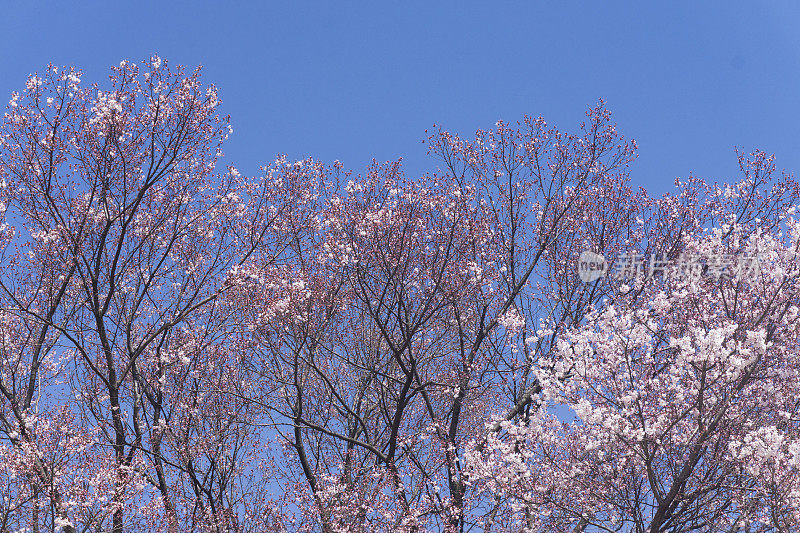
<point>339,80</point>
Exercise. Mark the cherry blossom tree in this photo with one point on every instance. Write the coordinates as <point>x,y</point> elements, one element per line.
<point>682,388</point>
<point>391,340</point>
<point>120,236</point>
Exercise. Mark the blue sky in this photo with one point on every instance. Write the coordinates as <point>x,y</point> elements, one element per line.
<point>353,81</point>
